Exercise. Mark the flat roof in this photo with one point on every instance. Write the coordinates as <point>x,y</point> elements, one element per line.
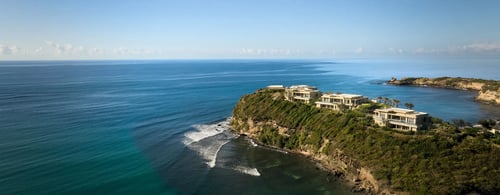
<point>342,95</point>
<point>400,110</point>
<point>302,86</point>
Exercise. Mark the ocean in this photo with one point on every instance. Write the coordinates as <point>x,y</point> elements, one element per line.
<point>161,126</point>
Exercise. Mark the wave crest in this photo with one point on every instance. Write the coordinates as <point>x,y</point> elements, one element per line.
<point>207,140</point>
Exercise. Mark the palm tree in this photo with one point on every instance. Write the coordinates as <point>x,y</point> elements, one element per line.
<point>386,100</point>
<point>396,102</point>
<point>379,98</point>
<point>409,105</point>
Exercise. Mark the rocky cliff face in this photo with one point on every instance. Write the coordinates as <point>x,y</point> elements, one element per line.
<point>489,96</point>
<point>488,90</point>
<point>338,163</point>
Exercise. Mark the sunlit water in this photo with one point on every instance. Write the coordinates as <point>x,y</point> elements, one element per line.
<point>160,127</point>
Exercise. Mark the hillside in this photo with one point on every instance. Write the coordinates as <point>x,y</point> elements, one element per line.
<point>446,160</point>
<point>488,90</point>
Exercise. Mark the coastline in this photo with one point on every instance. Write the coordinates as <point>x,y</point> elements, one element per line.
<point>354,185</point>
<point>345,169</point>
<point>488,91</point>
<point>370,159</point>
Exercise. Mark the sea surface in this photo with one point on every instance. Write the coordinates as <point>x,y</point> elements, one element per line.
<point>161,127</point>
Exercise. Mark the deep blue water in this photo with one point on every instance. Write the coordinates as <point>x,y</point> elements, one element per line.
<point>157,127</point>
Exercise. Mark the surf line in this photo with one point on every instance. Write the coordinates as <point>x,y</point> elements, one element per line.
<point>208,139</point>
<point>212,162</point>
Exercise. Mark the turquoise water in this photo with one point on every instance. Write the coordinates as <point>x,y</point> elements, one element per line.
<point>158,127</point>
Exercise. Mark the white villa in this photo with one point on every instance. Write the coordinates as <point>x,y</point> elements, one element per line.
<point>402,119</point>
<point>301,93</point>
<point>341,101</point>
<point>276,87</point>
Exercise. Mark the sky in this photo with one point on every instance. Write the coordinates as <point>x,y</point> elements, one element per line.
<point>172,29</point>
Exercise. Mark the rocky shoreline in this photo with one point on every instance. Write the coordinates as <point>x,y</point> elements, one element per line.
<point>488,90</point>
<point>348,170</point>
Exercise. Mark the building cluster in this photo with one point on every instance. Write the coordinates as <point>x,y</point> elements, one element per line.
<point>395,118</point>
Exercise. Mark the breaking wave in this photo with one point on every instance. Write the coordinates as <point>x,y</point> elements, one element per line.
<point>207,140</point>
<point>247,170</point>
<point>205,131</point>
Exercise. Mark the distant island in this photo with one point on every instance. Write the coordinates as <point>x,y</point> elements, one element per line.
<point>488,90</point>
<point>371,144</point>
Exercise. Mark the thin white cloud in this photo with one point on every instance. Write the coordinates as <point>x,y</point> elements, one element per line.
<point>63,49</point>
<point>38,50</point>
<point>482,47</point>
<point>472,48</point>
<point>56,50</point>
<point>9,50</point>
<point>397,50</point>
<point>271,52</point>
<point>359,50</point>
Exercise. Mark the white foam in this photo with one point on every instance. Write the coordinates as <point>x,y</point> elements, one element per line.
<point>213,157</point>
<point>293,175</point>
<point>207,140</point>
<point>204,131</point>
<point>247,170</point>
<point>252,143</point>
<point>271,165</point>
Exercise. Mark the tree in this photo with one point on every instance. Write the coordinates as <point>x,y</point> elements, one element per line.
<point>379,98</point>
<point>396,102</point>
<point>386,100</point>
<point>409,105</point>
<point>488,124</point>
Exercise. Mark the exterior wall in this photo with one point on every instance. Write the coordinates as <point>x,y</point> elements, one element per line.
<point>334,101</point>
<point>275,87</point>
<point>301,93</point>
<point>401,119</point>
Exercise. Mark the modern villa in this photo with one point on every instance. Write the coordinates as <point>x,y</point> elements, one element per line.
<point>341,101</point>
<point>276,87</point>
<point>401,119</point>
<point>301,93</point>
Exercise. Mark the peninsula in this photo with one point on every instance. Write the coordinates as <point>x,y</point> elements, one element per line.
<point>376,159</point>
<point>488,90</point>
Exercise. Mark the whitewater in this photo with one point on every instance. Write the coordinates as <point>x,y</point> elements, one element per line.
<point>208,139</point>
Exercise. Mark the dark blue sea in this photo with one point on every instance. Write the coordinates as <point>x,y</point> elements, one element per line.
<point>160,127</point>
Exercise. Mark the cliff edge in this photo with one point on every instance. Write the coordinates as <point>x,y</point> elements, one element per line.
<point>373,159</point>
<point>488,90</point>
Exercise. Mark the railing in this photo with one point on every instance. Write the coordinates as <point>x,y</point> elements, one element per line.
<point>401,121</point>
<point>301,97</point>
<point>397,121</point>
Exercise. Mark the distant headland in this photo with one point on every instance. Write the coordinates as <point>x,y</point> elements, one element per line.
<point>488,90</point>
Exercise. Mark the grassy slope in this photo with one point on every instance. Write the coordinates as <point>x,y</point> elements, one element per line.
<point>444,161</point>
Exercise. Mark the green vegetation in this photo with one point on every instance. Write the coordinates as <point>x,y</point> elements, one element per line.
<point>388,102</point>
<point>450,82</point>
<point>409,105</point>
<point>446,160</point>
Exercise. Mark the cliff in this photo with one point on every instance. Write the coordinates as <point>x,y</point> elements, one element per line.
<point>375,160</point>
<point>488,90</point>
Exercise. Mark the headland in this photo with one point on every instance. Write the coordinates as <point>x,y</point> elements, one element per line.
<point>375,159</point>
<point>488,90</point>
